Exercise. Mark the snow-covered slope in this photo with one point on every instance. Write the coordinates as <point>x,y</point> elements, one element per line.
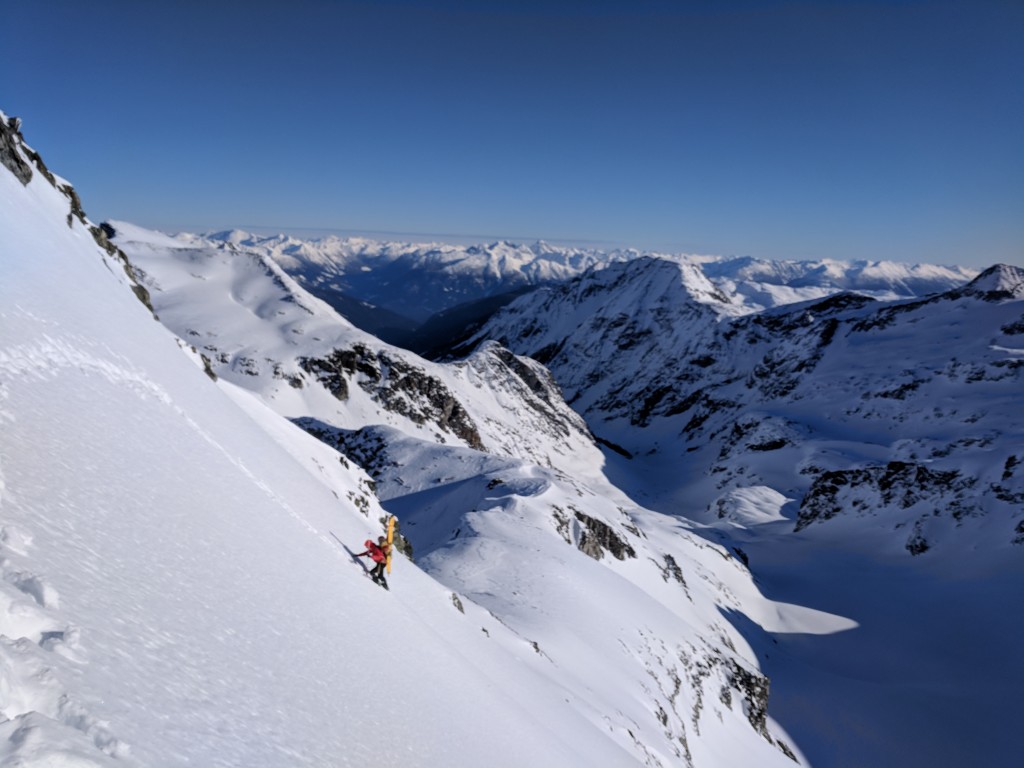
<point>790,397</point>
<point>258,328</point>
<point>176,589</point>
<point>446,445</point>
<point>865,456</point>
<point>178,582</point>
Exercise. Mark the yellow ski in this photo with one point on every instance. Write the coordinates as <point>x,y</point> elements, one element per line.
<point>391,536</point>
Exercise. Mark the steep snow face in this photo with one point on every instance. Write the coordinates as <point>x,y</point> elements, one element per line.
<point>519,528</point>
<point>626,606</point>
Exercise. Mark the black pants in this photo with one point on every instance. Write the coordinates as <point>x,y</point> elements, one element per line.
<point>377,573</point>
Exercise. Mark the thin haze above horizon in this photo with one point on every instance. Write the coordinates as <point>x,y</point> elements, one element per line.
<point>879,129</point>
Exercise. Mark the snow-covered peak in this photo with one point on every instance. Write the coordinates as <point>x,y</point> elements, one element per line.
<point>1000,281</point>
<point>631,312</point>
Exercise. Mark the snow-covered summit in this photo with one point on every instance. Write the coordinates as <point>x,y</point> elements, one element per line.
<point>1001,281</point>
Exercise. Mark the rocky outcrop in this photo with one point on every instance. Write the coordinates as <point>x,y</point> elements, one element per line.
<point>19,158</point>
<point>397,385</point>
<point>10,157</point>
<point>597,537</point>
<point>893,488</point>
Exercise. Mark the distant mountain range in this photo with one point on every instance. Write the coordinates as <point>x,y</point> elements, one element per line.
<point>394,290</point>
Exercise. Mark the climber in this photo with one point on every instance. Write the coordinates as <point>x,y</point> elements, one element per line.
<point>379,553</point>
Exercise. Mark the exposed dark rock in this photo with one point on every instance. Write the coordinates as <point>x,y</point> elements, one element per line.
<point>1014,329</point>
<point>395,384</point>
<point>769,445</point>
<point>754,688</point>
<point>207,368</point>
<point>548,353</point>
<point>598,536</point>
<point>561,523</point>
<point>543,388</point>
<point>897,484</point>
<point>917,544</point>
<point>612,446</point>
<point>10,157</point>
<point>330,372</point>
<point>642,417</point>
<point>1011,464</point>
<point>76,204</point>
<point>672,569</point>
<point>901,392</point>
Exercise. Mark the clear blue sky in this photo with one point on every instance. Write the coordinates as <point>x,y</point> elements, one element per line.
<point>776,129</point>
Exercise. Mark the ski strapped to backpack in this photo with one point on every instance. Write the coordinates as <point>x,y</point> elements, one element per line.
<point>390,539</point>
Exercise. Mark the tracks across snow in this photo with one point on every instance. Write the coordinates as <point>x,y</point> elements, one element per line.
<point>42,723</point>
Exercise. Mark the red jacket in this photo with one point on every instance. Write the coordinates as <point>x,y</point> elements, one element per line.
<point>374,551</point>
